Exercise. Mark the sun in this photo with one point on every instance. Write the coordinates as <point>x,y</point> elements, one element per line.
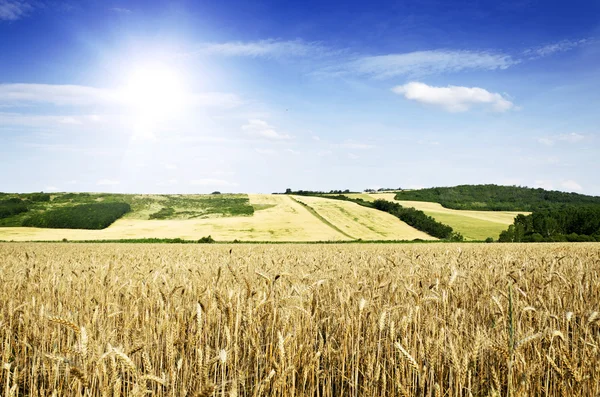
<point>153,95</point>
<point>155,92</point>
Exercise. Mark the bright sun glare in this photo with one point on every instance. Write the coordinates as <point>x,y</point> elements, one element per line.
<point>154,91</point>
<point>154,94</point>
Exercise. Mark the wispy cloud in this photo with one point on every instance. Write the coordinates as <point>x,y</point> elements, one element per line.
<point>107,182</point>
<point>12,10</point>
<point>572,137</point>
<point>553,48</point>
<point>420,63</point>
<point>571,185</point>
<point>78,95</point>
<point>15,94</point>
<point>121,10</point>
<point>453,98</point>
<point>257,128</point>
<point>351,144</point>
<point>544,184</point>
<point>269,48</point>
<point>268,152</point>
<point>212,182</point>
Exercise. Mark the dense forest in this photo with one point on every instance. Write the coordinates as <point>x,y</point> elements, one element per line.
<point>84,216</point>
<point>563,224</point>
<point>497,198</point>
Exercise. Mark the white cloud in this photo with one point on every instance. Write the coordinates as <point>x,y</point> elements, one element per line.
<point>70,120</point>
<point>421,63</point>
<point>353,156</point>
<point>264,48</point>
<point>107,182</point>
<point>261,129</point>
<point>269,152</point>
<point>12,10</point>
<point>121,10</point>
<point>351,144</point>
<point>572,137</point>
<point>78,95</point>
<point>546,141</point>
<point>428,142</point>
<point>51,189</point>
<point>212,182</point>
<point>170,166</point>
<point>170,182</point>
<point>553,48</point>
<point>14,94</point>
<point>453,98</point>
<point>571,185</point>
<point>547,185</point>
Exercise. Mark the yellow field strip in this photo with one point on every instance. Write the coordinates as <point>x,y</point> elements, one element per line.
<point>361,222</point>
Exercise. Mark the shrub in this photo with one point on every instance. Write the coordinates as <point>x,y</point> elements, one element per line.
<point>164,213</point>
<point>206,240</point>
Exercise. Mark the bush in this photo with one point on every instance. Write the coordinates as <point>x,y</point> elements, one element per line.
<point>84,216</point>
<point>206,240</point>
<point>164,213</point>
<point>489,240</point>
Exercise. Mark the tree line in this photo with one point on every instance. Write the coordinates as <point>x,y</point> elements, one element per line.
<point>557,224</point>
<point>84,216</point>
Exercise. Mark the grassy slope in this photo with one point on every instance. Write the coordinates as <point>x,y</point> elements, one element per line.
<point>361,222</point>
<point>276,218</point>
<point>474,225</point>
<point>280,219</point>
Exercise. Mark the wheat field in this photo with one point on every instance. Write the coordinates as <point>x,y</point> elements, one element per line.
<point>299,320</point>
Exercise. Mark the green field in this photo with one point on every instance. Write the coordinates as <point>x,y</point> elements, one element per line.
<point>473,225</point>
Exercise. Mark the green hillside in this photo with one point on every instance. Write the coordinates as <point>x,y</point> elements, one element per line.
<point>99,210</point>
<point>497,198</point>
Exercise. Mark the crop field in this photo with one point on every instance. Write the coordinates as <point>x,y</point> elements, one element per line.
<point>473,225</point>
<point>281,320</point>
<point>274,218</point>
<point>360,222</point>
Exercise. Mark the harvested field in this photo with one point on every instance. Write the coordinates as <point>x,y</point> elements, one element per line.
<point>362,223</point>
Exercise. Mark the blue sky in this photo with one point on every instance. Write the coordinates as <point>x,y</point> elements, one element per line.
<point>192,97</point>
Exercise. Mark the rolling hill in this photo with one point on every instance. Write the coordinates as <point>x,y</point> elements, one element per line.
<point>254,217</point>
